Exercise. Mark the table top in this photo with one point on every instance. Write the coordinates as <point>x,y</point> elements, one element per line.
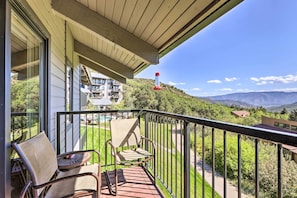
<point>73,160</point>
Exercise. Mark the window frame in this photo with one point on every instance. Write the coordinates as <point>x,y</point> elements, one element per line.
<point>23,9</point>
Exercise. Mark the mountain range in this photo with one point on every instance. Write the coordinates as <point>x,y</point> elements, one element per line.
<point>256,99</point>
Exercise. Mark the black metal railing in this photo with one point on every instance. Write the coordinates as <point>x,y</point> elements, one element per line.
<point>194,155</point>
<point>24,125</point>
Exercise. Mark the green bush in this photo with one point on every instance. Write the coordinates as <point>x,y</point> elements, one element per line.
<point>247,156</point>
<point>268,166</point>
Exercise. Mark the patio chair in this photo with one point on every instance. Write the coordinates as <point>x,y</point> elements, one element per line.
<point>127,148</point>
<point>46,180</point>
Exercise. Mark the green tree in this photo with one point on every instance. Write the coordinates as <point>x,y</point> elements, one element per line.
<point>24,100</point>
<point>284,111</point>
<point>293,115</point>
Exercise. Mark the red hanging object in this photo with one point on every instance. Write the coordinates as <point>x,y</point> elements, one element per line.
<point>157,82</point>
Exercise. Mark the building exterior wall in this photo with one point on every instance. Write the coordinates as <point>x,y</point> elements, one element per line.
<point>106,88</point>
<point>284,124</point>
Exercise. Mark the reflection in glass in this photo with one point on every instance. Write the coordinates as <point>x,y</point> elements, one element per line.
<point>25,78</point>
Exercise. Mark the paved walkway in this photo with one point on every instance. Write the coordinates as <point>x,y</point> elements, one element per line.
<point>219,180</point>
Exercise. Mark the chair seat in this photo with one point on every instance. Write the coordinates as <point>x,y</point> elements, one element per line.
<point>75,185</point>
<point>130,155</point>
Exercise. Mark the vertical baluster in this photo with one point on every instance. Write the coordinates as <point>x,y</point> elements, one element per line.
<point>187,161</point>
<point>182,155</point>
<point>195,161</point>
<point>203,161</point>
<point>167,147</point>
<point>225,165</point>
<point>176,153</point>
<point>171,157</point>
<point>279,171</point>
<point>163,148</point>
<point>239,165</point>
<point>256,168</point>
<point>213,161</point>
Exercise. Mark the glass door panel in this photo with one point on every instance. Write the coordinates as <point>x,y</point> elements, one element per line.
<point>25,79</point>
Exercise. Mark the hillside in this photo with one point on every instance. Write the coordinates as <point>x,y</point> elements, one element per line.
<point>289,107</point>
<point>139,94</point>
<point>233,103</point>
<point>264,99</point>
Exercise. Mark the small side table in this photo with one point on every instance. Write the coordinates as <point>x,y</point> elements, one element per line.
<point>69,161</point>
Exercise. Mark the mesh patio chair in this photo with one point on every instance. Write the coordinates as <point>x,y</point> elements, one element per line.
<point>46,180</point>
<point>127,148</point>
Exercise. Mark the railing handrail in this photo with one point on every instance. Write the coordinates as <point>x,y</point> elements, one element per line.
<point>96,111</point>
<point>255,132</point>
<point>24,113</point>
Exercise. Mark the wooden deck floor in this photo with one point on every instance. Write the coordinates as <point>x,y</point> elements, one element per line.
<point>133,182</point>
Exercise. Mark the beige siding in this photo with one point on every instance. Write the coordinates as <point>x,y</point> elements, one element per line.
<point>76,99</point>
<point>272,121</point>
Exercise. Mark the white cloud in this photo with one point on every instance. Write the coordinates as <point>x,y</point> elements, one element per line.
<point>231,79</point>
<point>274,79</point>
<point>225,89</point>
<point>195,89</point>
<point>281,89</point>
<point>214,81</point>
<point>176,83</point>
<point>244,90</point>
<point>265,90</point>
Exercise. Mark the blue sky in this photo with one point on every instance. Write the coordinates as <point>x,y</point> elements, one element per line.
<point>253,47</point>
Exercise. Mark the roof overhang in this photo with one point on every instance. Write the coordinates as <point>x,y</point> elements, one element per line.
<point>121,38</point>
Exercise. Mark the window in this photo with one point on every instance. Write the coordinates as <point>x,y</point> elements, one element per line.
<point>276,124</point>
<point>286,126</point>
<point>27,77</point>
<point>293,128</point>
<point>69,87</point>
<point>69,91</point>
<point>281,125</point>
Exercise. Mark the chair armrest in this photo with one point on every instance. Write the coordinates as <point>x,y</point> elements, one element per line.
<point>67,177</point>
<point>80,151</point>
<point>114,150</point>
<point>149,140</point>
<point>112,146</point>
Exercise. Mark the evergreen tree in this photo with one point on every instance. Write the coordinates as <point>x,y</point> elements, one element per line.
<point>293,115</point>
<point>284,111</point>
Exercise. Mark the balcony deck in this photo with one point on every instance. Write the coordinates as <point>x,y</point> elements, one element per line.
<point>133,182</point>
<point>182,145</point>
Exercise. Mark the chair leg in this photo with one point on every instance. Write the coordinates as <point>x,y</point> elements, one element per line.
<point>155,170</point>
<point>108,181</point>
<point>112,185</point>
<point>116,179</point>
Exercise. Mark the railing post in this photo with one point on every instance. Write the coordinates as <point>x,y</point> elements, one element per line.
<point>58,132</point>
<point>187,165</point>
<point>279,171</point>
<point>146,129</point>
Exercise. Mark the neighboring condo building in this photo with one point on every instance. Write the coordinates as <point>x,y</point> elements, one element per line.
<point>281,125</point>
<point>104,91</point>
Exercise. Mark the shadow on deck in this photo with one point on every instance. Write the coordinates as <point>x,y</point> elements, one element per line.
<point>133,182</point>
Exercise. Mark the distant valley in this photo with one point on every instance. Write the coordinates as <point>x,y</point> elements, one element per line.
<point>270,100</point>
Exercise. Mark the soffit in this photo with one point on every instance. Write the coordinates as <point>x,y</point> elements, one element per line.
<point>131,34</point>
